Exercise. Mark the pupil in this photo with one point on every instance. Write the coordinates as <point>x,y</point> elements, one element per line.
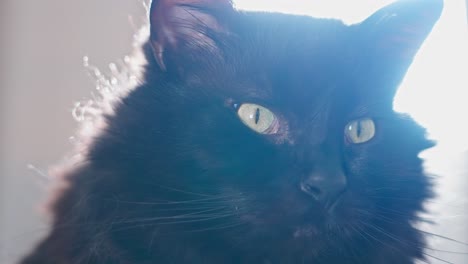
<point>257,115</point>
<point>359,129</point>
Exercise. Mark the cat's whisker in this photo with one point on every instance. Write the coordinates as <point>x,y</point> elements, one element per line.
<point>204,219</point>
<point>359,232</point>
<point>385,219</point>
<point>225,226</point>
<point>115,226</point>
<point>408,243</point>
<point>385,233</point>
<point>183,209</point>
<point>446,251</point>
<point>197,214</point>
<point>434,257</point>
<point>172,203</point>
<point>366,234</point>
<point>186,192</point>
<point>388,216</point>
<point>399,198</point>
<point>442,237</point>
<point>94,223</point>
<point>197,201</point>
<point>347,231</point>
<point>363,212</point>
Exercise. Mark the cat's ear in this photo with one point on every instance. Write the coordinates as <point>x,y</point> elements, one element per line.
<point>393,35</point>
<point>186,25</point>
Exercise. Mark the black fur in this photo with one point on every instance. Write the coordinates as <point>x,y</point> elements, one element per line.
<point>176,177</point>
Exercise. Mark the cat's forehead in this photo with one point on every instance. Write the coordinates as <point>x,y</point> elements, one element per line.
<point>289,58</point>
<point>288,44</point>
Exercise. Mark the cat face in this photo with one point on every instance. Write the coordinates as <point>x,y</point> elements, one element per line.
<point>279,130</point>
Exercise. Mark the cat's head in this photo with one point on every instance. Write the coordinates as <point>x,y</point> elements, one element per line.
<point>282,126</point>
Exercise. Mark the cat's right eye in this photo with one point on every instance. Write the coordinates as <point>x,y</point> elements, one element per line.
<point>360,130</point>
<point>258,118</point>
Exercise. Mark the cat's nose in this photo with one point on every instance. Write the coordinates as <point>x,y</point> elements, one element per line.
<point>326,188</point>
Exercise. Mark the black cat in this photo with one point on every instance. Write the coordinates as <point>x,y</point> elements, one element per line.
<point>255,138</point>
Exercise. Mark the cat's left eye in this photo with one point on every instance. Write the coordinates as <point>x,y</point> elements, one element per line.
<point>360,130</point>
<point>258,118</point>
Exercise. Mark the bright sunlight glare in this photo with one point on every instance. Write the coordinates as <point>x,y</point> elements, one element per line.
<point>435,90</point>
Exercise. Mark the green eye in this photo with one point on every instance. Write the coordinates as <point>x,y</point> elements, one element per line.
<point>360,130</point>
<point>258,118</point>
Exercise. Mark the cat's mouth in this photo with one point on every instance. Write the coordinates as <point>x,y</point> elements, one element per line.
<point>329,227</point>
<point>330,208</point>
<point>323,219</point>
